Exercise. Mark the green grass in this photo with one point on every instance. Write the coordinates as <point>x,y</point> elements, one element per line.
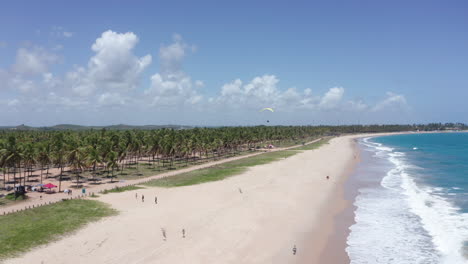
<point>122,189</point>
<point>23,230</point>
<point>219,172</point>
<point>315,145</point>
<point>146,169</point>
<point>10,198</point>
<point>228,169</point>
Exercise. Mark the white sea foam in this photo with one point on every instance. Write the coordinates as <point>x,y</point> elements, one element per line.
<point>403,222</point>
<point>443,221</point>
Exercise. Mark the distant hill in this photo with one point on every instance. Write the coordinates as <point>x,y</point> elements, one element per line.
<point>20,127</point>
<point>62,127</point>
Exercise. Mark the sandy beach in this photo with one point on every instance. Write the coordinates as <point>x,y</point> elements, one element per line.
<point>255,217</point>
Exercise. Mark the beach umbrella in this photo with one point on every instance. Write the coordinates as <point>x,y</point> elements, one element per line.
<point>49,186</point>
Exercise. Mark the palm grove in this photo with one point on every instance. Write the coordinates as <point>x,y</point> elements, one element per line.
<point>110,152</point>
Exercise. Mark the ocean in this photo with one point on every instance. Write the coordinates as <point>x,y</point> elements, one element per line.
<point>412,200</point>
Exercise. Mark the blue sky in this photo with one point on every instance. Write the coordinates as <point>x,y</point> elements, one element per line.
<point>218,62</point>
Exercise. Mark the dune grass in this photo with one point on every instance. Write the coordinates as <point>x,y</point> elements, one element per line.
<point>228,169</point>
<point>219,172</point>
<point>315,145</point>
<point>23,230</point>
<point>122,189</point>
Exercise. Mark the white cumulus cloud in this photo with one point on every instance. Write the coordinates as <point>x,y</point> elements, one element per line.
<point>332,98</point>
<point>111,99</point>
<point>172,86</point>
<point>33,61</point>
<point>392,101</point>
<point>114,67</point>
<point>264,91</point>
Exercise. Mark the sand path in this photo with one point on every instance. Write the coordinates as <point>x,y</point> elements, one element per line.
<point>281,204</point>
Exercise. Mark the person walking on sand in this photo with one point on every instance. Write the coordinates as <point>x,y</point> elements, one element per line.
<point>136,195</point>
<point>156,200</point>
<point>328,177</point>
<point>183,233</point>
<point>294,250</point>
<point>142,198</point>
<point>163,233</point>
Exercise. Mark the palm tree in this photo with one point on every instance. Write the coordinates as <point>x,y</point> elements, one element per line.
<point>59,155</point>
<point>77,160</point>
<point>93,158</point>
<point>44,158</point>
<point>122,155</point>
<point>29,157</point>
<point>112,162</point>
<point>13,156</point>
<point>3,152</point>
<point>155,147</point>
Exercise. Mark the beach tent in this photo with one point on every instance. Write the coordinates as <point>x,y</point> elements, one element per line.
<point>49,186</point>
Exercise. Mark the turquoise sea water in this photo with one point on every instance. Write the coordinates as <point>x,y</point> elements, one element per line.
<point>441,162</point>
<point>413,203</point>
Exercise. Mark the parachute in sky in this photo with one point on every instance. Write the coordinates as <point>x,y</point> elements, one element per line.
<point>267,109</point>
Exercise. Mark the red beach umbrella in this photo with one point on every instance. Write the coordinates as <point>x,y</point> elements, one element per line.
<point>49,186</point>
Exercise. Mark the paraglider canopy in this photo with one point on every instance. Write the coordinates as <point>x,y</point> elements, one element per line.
<point>267,109</point>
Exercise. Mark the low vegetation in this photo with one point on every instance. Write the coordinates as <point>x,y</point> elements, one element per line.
<point>221,171</point>
<point>228,169</point>
<point>94,155</point>
<point>23,230</point>
<point>122,189</point>
<point>314,145</point>
<point>10,198</point>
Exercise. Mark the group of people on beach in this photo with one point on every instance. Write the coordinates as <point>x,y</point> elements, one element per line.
<point>163,231</point>
<point>143,198</point>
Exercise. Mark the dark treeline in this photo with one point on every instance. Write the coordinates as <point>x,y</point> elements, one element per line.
<point>22,152</point>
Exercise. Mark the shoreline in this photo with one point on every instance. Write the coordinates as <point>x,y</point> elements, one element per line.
<point>327,243</point>
<point>278,207</point>
<point>226,225</point>
<point>336,223</point>
<point>343,219</point>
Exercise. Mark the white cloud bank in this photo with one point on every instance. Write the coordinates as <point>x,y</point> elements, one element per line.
<point>172,86</point>
<point>113,79</point>
<point>264,91</point>
<point>114,67</point>
<point>392,101</point>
